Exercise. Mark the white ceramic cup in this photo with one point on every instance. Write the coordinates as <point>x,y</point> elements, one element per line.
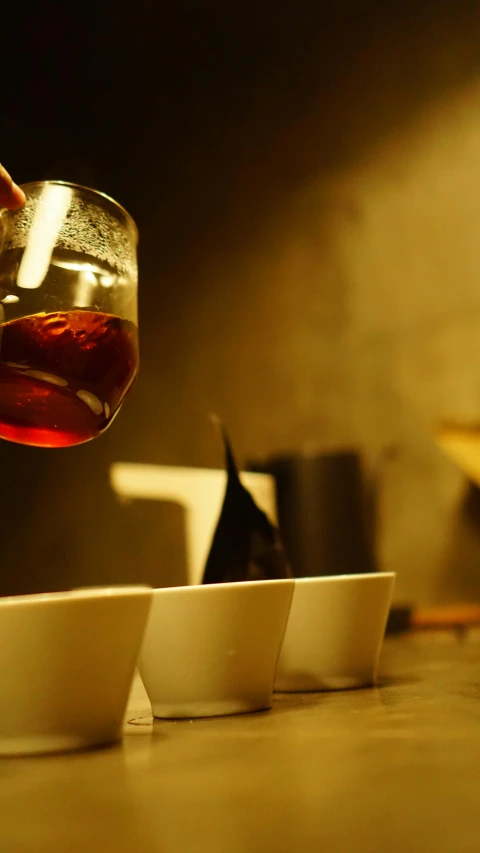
<point>67,661</point>
<point>335,632</point>
<point>212,650</point>
<point>199,490</point>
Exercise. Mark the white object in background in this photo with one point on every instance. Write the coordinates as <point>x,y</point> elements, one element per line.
<point>67,661</point>
<point>212,650</point>
<point>335,632</point>
<point>200,491</point>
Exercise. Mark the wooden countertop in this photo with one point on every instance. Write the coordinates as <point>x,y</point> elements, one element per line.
<point>389,769</point>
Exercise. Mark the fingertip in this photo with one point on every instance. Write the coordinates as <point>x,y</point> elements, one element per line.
<point>18,197</point>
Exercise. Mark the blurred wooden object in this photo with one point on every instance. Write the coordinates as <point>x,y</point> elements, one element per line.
<point>461,442</point>
<point>450,617</point>
<point>455,616</point>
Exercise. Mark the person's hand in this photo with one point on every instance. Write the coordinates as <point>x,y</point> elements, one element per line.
<point>11,196</point>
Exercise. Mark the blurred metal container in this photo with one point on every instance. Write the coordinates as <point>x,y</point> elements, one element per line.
<point>326,512</point>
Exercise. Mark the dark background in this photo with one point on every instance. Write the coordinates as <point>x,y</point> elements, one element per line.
<point>276,157</point>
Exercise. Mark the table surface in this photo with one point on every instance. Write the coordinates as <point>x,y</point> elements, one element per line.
<point>394,768</point>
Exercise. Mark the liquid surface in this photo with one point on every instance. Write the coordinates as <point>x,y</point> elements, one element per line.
<point>64,375</point>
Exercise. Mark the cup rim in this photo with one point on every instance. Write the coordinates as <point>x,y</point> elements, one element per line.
<point>81,594</point>
<point>358,576</point>
<point>188,588</point>
<point>74,186</point>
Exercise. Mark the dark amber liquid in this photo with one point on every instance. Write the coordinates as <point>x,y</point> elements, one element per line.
<point>63,376</point>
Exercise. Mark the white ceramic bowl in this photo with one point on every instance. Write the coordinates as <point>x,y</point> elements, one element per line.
<point>67,660</point>
<point>335,632</point>
<point>212,650</point>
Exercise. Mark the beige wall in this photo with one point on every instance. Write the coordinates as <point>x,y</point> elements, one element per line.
<point>311,272</point>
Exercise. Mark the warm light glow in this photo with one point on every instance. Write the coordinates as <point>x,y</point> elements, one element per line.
<point>86,283</point>
<point>46,377</point>
<point>91,401</point>
<point>47,222</point>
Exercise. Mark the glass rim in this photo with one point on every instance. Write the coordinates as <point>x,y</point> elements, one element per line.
<point>25,187</point>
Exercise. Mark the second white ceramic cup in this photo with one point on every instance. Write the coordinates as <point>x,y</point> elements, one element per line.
<point>335,632</point>
<point>212,650</point>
